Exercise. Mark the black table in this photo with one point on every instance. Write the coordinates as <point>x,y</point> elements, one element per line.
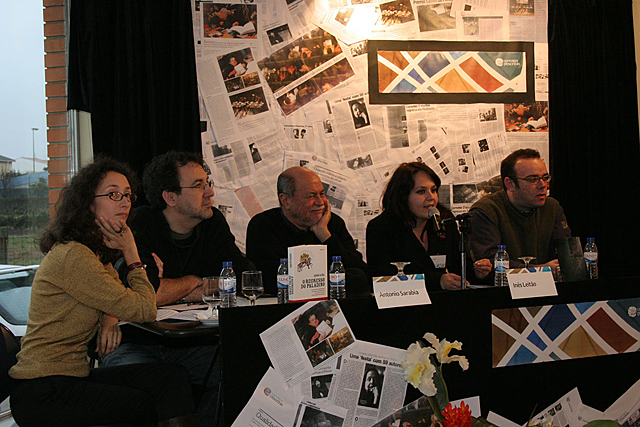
<point>456,315</point>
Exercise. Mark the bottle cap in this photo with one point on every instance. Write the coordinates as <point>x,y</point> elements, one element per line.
<point>283,260</point>
<point>591,239</point>
<point>336,258</point>
<point>227,264</point>
<point>501,247</point>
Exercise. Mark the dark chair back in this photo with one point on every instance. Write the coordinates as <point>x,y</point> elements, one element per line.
<point>9,347</point>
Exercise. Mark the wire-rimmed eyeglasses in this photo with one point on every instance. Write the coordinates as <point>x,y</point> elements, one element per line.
<point>201,185</point>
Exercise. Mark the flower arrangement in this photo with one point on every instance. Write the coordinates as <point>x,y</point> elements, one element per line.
<point>423,370</point>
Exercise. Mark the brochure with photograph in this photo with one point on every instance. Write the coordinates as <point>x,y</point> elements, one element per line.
<point>311,337</point>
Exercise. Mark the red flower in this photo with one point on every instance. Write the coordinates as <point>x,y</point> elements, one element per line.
<point>457,416</point>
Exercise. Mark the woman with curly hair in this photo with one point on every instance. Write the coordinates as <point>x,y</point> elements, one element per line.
<point>405,231</point>
<point>74,287</point>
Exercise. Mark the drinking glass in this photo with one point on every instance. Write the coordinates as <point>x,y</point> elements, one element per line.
<point>400,266</point>
<point>211,294</point>
<point>526,260</point>
<point>252,286</point>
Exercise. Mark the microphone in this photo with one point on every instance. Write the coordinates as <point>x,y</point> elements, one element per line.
<point>437,223</point>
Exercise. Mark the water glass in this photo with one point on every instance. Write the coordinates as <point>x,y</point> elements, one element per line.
<point>252,286</point>
<point>211,294</point>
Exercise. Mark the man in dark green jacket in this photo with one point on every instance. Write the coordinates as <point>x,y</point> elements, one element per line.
<point>521,216</point>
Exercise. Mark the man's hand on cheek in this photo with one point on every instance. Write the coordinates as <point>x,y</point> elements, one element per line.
<point>321,228</point>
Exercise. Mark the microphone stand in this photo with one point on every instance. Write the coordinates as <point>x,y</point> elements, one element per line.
<point>465,228</point>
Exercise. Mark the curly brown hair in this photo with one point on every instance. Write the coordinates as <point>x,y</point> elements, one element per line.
<point>74,219</point>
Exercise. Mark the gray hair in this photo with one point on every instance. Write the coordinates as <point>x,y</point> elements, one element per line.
<point>286,184</point>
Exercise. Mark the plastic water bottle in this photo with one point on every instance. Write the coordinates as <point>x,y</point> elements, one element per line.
<point>283,282</point>
<point>337,280</point>
<point>591,257</point>
<point>500,264</point>
<point>228,277</point>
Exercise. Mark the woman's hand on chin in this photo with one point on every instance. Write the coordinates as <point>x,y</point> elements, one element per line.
<point>117,235</point>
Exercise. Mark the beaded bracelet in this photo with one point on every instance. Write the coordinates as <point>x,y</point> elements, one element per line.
<point>136,265</point>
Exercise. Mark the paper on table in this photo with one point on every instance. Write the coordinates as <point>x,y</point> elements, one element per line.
<point>499,420</point>
<point>563,411</point>
<point>178,315</point>
<point>626,410</point>
<point>295,347</point>
<point>368,382</point>
<point>184,307</point>
<point>270,404</point>
<point>308,413</point>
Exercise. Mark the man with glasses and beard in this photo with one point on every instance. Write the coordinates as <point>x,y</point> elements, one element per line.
<point>521,215</point>
<point>181,238</point>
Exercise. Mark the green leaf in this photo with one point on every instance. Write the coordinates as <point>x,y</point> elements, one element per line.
<point>442,394</point>
<point>480,422</point>
<point>436,408</point>
<point>602,423</point>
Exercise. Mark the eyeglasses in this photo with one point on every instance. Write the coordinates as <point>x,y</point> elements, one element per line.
<point>116,196</point>
<point>533,180</point>
<point>202,186</point>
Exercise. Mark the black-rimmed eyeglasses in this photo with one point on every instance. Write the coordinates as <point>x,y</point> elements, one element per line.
<point>202,186</point>
<point>116,196</point>
<point>533,180</point>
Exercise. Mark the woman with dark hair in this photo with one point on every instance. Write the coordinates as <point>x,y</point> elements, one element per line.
<point>73,289</point>
<point>405,231</point>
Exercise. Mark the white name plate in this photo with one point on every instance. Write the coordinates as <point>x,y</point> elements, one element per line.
<point>531,282</point>
<point>400,291</point>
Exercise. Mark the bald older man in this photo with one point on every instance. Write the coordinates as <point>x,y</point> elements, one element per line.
<point>303,218</point>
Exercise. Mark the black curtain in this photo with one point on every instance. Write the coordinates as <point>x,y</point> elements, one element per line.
<point>594,148</point>
<point>132,66</point>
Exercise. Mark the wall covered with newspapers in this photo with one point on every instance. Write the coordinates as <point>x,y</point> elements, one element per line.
<point>352,88</point>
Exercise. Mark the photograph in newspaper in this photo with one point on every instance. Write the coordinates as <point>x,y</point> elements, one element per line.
<point>299,57</point>
<point>521,7</point>
<point>527,117</point>
<point>322,331</point>
<point>371,386</point>
<point>315,86</point>
<point>320,386</point>
<point>309,415</point>
<point>238,70</point>
<point>279,34</point>
<point>249,103</point>
<point>224,20</point>
<point>435,17</point>
<point>417,413</point>
<point>359,113</point>
<point>396,12</point>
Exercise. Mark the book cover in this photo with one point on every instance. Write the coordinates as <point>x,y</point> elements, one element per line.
<point>308,280</point>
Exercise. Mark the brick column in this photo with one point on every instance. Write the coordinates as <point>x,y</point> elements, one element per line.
<point>55,62</point>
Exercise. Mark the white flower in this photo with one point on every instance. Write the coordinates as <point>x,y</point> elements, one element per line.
<point>418,370</point>
<point>444,347</point>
